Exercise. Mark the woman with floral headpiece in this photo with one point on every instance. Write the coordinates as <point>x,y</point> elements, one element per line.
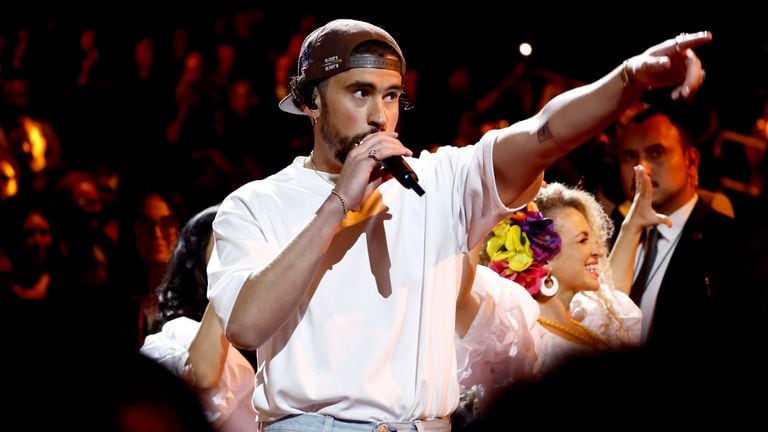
<point>554,252</point>
<point>581,312</point>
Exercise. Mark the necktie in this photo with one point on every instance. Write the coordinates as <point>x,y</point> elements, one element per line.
<point>638,287</point>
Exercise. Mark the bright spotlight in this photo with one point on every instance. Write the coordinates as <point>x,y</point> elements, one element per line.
<point>525,49</point>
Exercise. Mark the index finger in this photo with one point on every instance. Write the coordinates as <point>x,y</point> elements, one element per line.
<point>682,42</point>
<point>642,180</point>
<point>685,41</point>
<point>392,134</point>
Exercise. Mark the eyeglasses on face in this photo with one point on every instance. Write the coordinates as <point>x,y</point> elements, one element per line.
<point>165,223</point>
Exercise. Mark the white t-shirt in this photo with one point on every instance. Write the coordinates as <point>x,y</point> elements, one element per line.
<point>374,339</point>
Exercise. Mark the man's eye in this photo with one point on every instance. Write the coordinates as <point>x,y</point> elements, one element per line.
<point>628,157</point>
<point>393,97</point>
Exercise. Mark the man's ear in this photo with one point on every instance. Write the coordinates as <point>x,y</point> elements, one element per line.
<point>311,105</point>
<point>313,114</point>
<point>692,158</point>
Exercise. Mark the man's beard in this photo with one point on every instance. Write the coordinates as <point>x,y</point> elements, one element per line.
<point>340,145</point>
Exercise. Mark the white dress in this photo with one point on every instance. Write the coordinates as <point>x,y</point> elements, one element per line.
<point>506,345</point>
<point>498,349</point>
<point>228,405</point>
<point>612,315</point>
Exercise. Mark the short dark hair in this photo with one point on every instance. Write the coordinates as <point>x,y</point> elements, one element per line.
<point>677,116</point>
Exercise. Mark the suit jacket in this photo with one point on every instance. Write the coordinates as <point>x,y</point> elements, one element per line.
<point>710,324</point>
<point>694,281</point>
<point>713,283</point>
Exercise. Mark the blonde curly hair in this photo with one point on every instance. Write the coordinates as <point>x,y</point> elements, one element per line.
<point>556,196</point>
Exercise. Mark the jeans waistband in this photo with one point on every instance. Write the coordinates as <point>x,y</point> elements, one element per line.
<point>433,425</point>
<point>313,422</point>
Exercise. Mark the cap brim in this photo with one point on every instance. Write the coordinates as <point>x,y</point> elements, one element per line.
<point>288,106</point>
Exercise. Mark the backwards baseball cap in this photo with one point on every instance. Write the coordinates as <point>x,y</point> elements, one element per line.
<point>327,51</point>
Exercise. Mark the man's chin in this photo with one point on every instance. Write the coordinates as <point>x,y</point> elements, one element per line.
<point>658,204</point>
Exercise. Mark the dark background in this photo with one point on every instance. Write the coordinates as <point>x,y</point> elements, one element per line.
<point>578,39</point>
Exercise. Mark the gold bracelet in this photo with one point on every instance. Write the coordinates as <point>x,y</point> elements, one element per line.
<point>343,201</point>
<point>626,78</point>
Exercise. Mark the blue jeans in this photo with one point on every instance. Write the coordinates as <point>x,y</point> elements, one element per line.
<point>320,423</point>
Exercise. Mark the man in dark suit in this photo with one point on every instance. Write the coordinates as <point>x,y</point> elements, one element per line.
<point>697,284</point>
<point>705,318</point>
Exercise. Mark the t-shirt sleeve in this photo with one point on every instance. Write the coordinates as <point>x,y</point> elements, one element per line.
<point>240,248</point>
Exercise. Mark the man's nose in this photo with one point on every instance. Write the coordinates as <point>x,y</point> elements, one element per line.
<point>646,163</point>
<point>377,116</point>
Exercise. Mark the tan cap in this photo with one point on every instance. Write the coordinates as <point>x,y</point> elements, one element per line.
<point>328,51</point>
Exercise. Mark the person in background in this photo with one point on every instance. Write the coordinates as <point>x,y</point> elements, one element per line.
<point>687,281</point>
<point>188,339</point>
<point>148,231</point>
<point>508,338</point>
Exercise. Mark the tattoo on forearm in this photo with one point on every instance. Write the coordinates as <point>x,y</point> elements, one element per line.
<point>544,133</point>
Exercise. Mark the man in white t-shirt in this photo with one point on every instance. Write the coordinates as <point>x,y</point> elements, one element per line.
<point>346,281</point>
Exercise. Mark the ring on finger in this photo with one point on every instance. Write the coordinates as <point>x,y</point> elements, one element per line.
<point>372,154</point>
<point>677,41</point>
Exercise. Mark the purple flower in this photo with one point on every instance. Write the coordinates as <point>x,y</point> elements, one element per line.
<point>545,241</point>
<point>544,245</point>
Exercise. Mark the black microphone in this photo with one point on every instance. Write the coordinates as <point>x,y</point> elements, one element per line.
<point>399,168</point>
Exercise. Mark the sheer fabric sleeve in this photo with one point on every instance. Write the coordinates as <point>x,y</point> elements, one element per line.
<point>169,346</point>
<point>230,398</point>
<point>497,349</point>
<point>609,313</point>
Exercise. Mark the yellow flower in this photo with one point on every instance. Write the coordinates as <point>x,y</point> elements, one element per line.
<point>510,244</point>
